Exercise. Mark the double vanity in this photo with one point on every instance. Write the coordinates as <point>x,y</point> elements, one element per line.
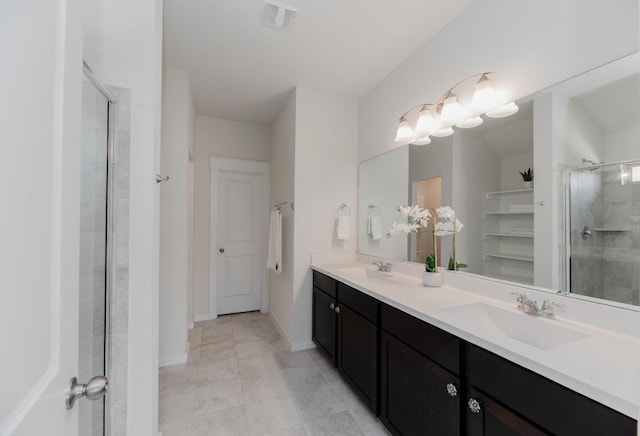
<point>465,358</point>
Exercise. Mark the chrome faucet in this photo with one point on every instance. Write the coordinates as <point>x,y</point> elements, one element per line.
<point>383,266</point>
<point>530,307</point>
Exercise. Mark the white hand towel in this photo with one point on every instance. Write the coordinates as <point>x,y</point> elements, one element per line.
<point>274,254</point>
<point>376,227</point>
<point>342,230</point>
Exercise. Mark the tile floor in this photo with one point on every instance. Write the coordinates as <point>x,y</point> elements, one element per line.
<point>240,379</point>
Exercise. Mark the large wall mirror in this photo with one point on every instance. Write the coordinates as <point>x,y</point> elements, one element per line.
<point>576,230</point>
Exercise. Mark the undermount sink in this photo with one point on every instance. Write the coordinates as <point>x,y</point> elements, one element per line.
<point>537,332</point>
<point>362,272</point>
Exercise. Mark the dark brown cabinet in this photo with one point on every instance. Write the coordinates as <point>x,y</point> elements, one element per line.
<point>324,323</point>
<point>345,327</point>
<point>487,417</point>
<point>423,380</point>
<point>418,397</point>
<point>538,400</point>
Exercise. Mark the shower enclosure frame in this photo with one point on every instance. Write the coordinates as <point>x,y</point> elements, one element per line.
<point>111,111</point>
<point>566,217</point>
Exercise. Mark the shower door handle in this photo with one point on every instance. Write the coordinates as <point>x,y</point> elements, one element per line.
<point>95,389</point>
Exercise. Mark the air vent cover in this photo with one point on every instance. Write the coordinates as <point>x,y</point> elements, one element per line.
<point>278,16</point>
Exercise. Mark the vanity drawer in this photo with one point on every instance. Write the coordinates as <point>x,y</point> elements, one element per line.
<point>359,302</point>
<point>325,283</point>
<point>544,402</point>
<point>434,343</point>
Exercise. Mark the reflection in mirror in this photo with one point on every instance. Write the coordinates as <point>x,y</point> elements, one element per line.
<point>575,228</point>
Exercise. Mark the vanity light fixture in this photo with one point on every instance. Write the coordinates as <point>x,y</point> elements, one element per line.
<point>453,110</point>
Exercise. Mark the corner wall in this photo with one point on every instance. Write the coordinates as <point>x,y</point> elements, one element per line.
<point>283,141</point>
<point>123,45</point>
<point>326,174</point>
<point>178,117</point>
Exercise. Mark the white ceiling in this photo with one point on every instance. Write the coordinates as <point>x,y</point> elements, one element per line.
<point>240,70</point>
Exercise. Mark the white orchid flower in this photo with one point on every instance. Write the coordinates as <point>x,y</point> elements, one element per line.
<point>446,213</point>
<point>406,228</point>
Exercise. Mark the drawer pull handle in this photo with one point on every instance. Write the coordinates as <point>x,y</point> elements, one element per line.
<point>337,309</point>
<point>452,390</point>
<point>332,306</point>
<point>474,405</point>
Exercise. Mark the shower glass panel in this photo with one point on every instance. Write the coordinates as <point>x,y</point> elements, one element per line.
<point>94,246</point>
<point>604,231</point>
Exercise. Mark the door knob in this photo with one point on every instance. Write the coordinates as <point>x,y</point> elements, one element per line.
<point>95,389</point>
<point>337,309</point>
<point>221,250</point>
<point>332,306</point>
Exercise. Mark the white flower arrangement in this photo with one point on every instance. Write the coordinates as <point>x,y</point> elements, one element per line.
<point>443,222</point>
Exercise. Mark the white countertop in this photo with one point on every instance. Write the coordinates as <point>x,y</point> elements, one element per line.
<point>605,366</point>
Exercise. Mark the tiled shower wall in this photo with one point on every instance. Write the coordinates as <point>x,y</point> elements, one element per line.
<point>606,264</point>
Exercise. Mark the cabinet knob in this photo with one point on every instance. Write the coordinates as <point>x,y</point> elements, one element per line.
<point>337,309</point>
<point>452,390</point>
<point>474,405</point>
<point>332,306</point>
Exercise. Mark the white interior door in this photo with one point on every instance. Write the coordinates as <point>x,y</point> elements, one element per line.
<point>40,125</point>
<point>240,192</point>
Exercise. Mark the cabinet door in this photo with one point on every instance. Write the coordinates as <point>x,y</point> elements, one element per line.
<point>324,323</point>
<point>358,354</point>
<point>486,417</point>
<point>417,396</point>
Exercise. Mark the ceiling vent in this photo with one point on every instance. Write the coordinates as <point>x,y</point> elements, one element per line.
<point>278,16</point>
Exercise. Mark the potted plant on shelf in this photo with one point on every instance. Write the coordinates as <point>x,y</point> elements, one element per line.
<point>442,222</point>
<point>527,177</point>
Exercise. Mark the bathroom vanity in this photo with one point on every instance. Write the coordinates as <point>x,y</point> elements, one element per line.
<point>443,361</point>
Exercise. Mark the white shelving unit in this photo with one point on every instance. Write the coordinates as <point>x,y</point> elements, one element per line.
<point>508,235</point>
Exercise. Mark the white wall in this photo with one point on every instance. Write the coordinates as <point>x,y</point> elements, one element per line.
<point>326,171</point>
<point>476,171</point>
<point>178,117</point>
<point>622,145</point>
<point>282,190</point>
<point>530,45</point>
<point>582,138</point>
<point>216,137</point>
<point>123,45</point>
<point>384,189</point>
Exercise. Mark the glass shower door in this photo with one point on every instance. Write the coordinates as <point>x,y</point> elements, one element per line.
<point>604,238</point>
<point>94,246</point>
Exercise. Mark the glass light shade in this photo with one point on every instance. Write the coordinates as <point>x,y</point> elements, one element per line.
<point>451,111</point>
<point>422,141</point>
<point>485,97</point>
<point>426,121</point>
<point>470,122</point>
<point>404,133</point>
<point>503,111</point>
<point>443,132</point>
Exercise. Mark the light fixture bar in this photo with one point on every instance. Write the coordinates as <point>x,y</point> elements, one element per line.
<point>438,119</point>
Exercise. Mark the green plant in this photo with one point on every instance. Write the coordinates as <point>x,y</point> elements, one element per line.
<point>430,263</point>
<point>527,176</point>
<point>458,265</point>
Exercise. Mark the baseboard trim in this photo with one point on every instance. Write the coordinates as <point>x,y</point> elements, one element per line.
<point>305,345</point>
<point>281,330</point>
<point>174,359</point>
<point>198,318</point>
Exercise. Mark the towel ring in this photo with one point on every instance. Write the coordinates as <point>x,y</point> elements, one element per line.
<point>374,209</point>
<point>344,206</point>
